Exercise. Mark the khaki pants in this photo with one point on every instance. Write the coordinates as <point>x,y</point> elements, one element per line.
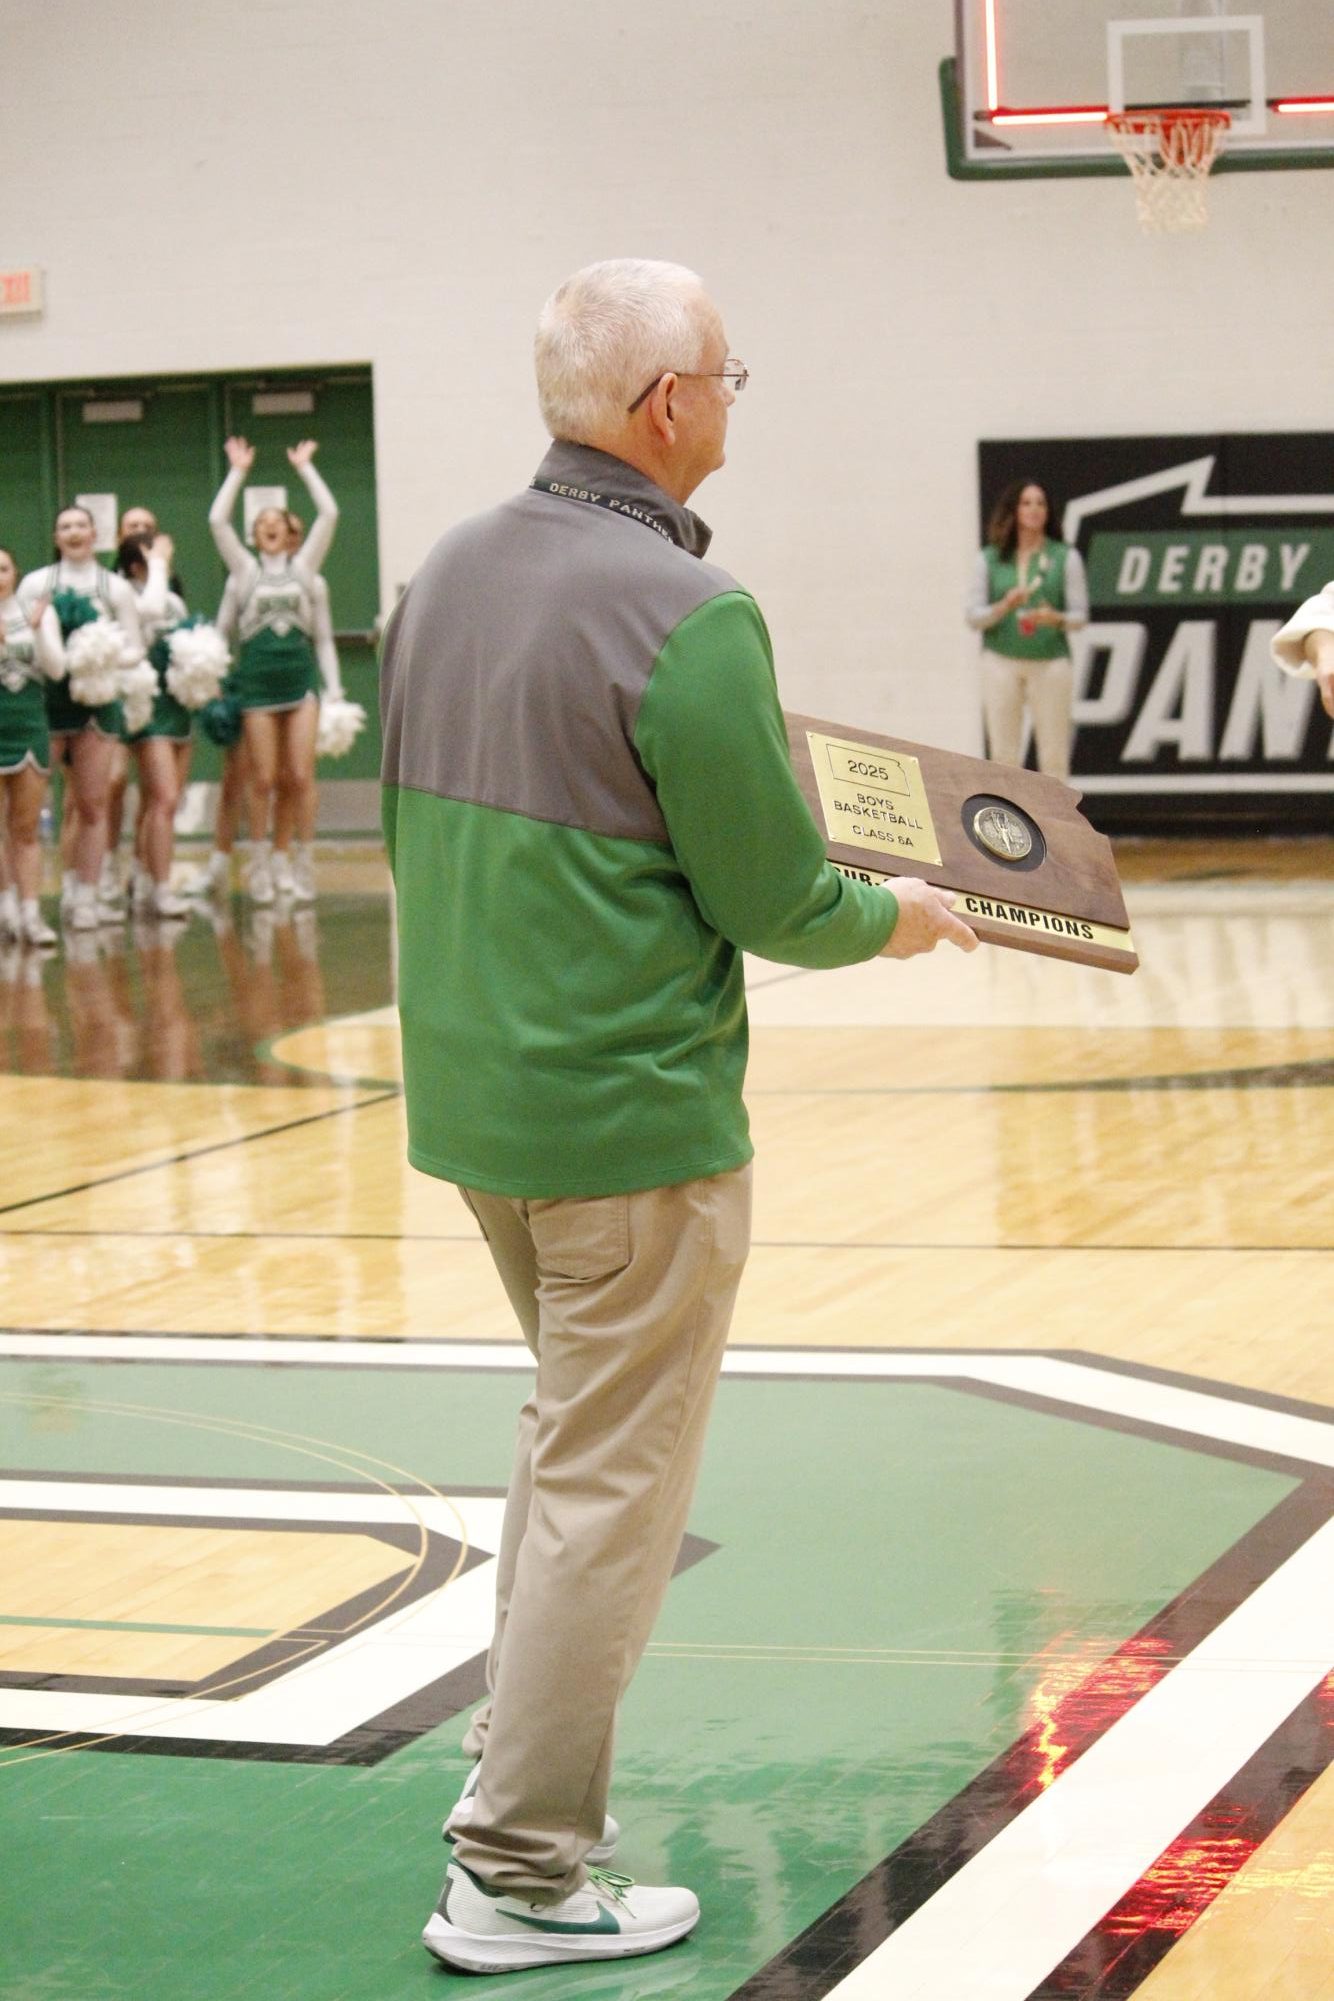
<point>1046,686</point>
<point>625,1300</point>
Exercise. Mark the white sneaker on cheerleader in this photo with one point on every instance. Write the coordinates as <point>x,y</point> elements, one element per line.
<point>303,872</point>
<point>460,1820</point>
<point>10,921</point>
<point>212,877</point>
<point>110,890</point>
<point>82,912</point>
<point>141,888</point>
<point>166,903</point>
<point>282,873</point>
<point>259,876</point>
<point>611,1917</point>
<point>34,928</point>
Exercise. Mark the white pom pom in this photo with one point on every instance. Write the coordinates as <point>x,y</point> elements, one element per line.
<point>95,655</point>
<point>341,723</point>
<point>138,689</point>
<point>198,664</point>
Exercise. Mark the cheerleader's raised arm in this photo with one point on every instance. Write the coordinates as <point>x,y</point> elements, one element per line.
<point>240,563</point>
<point>157,601</point>
<point>319,539</point>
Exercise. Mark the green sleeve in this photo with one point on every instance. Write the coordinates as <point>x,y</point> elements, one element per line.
<point>711,736</point>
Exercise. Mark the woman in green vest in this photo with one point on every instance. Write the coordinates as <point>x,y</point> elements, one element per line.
<point>1028,592</point>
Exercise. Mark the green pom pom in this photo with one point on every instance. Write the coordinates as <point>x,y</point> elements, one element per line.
<point>73,609</point>
<point>220,721</point>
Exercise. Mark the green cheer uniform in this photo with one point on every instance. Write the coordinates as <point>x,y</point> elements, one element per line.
<point>65,716</point>
<point>170,718</point>
<point>24,735</point>
<point>276,668</point>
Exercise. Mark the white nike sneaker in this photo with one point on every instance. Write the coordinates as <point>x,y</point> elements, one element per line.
<point>460,1820</point>
<point>283,885</point>
<point>611,1917</point>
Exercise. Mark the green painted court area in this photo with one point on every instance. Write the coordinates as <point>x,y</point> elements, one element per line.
<point>901,1568</point>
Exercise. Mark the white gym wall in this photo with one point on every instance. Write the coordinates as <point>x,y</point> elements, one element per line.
<point>309,181</point>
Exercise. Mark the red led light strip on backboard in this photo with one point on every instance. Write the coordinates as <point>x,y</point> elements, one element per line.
<point>1097,114</point>
<point>1092,114</point>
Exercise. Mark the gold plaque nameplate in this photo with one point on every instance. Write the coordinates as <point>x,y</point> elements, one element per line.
<point>873,798</point>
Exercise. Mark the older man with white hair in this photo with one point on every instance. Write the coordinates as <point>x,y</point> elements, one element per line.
<point>591,813</point>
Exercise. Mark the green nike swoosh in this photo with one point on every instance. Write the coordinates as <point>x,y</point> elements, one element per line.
<point>605,1923</point>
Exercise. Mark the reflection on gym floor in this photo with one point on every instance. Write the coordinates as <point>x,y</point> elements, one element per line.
<point>194,1000</point>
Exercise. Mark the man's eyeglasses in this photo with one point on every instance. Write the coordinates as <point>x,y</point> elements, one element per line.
<point>732,370</point>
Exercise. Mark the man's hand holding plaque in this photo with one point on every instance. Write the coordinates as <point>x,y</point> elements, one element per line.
<point>926,915</point>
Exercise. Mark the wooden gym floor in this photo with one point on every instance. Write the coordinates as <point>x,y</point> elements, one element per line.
<point>1034,1351</point>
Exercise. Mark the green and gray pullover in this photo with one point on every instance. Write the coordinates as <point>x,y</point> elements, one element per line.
<point>591,813</point>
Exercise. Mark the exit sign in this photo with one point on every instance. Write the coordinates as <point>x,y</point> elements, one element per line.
<point>21,291</point>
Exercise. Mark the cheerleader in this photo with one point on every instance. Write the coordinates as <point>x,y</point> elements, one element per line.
<point>30,650</point>
<point>83,737</point>
<point>276,676</point>
<point>142,524</point>
<point>161,749</point>
<point>293,869</point>
<point>295,815</point>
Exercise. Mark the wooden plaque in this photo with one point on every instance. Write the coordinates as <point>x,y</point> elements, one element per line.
<point>1026,867</point>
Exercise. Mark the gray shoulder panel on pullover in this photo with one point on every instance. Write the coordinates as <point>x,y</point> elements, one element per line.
<point>515,662</point>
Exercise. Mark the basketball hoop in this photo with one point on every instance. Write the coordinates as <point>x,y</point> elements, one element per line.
<point>1169,154</point>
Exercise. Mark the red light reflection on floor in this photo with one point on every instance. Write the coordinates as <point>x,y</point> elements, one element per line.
<point>1184,1880</point>
<point>1207,1856</point>
<point>1075,1701</point>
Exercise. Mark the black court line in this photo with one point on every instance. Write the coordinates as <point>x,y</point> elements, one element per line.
<point>194,1153</point>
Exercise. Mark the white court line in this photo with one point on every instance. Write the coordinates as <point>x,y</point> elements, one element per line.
<point>1010,1915</point>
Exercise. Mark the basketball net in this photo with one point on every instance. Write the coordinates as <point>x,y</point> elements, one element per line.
<point>1169,154</point>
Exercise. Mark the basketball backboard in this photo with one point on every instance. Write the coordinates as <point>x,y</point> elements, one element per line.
<point>1033,81</point>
